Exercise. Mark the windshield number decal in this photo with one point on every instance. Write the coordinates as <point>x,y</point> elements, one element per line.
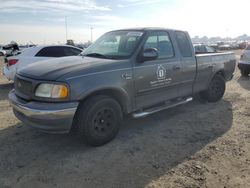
<point>135,34</point>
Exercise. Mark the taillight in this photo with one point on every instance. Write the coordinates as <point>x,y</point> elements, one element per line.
<point>12,62</point>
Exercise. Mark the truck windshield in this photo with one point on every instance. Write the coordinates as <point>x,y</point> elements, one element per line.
<point>114,45</point>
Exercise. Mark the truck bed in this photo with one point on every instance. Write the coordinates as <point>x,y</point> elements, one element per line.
<point>208,64</point>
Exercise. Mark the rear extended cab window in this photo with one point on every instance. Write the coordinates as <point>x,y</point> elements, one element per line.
<point>183,44</point>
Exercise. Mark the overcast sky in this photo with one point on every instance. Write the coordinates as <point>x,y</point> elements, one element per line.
<point>43,21</point>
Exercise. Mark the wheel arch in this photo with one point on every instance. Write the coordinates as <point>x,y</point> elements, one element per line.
<point>118,94</point>
<point>221,73</point>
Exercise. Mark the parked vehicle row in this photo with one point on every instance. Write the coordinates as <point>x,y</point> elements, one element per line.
<point>10,49</point>
<point>226,45</point>
<point>131,71</point>
<point>232,46</point>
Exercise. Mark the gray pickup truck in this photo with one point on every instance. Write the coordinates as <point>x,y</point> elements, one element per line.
<point>132,71</point>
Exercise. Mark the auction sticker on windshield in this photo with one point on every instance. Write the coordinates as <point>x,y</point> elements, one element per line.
<point>135,34</point>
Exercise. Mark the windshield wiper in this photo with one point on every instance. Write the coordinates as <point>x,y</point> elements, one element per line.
<point>98,55</point>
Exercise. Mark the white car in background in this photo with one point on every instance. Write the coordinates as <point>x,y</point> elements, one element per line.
<point>244,63</point>
<point>34,54</point>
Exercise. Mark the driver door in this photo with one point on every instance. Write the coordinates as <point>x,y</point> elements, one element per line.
<point>157,80</point>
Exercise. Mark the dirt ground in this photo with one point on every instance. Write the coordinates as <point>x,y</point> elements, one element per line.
<point>193,145</point>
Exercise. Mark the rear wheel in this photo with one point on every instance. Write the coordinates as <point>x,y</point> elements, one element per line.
<point>98,120</point>
<point>216,89</point>
<point>244,73</point>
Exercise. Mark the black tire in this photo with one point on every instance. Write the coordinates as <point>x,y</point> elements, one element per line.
<point>98,120</point>
<point>216,89</point>
<point>244,73</point>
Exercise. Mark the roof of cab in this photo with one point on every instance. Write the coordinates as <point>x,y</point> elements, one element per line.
<point>146,29</point>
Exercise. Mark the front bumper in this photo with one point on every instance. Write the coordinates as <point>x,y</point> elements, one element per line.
<point>48,117</point>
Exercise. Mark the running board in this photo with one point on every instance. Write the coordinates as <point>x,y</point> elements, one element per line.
<point>160,108</point>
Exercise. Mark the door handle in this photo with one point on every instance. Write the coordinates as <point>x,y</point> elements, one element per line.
<point>176,68</point>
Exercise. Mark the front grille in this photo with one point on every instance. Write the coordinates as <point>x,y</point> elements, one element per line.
<point>23,87</point>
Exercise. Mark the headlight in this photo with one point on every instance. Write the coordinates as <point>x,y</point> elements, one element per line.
<point>56,91</point>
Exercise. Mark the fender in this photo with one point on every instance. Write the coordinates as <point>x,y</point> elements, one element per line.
<point>117,93</point>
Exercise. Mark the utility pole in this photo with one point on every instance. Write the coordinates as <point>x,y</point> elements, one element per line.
<point>91,29</point>
<point>66,28</point>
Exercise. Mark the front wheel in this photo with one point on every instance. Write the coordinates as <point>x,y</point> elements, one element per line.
<point>216,89</point>
<point>98,120</point>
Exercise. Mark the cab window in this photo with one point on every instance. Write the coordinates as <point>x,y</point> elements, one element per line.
<point>160,41</point>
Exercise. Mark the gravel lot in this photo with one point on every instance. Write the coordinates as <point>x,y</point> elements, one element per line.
<point>194,145</point>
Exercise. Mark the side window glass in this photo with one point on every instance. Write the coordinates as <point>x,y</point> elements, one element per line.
<point>151,42</point>
<point>50,52</point>
<point>58,51</point>
<point>44,52</point>
<point>183,44</point>
<point>160,41</point>
<point>68,51</point>
<point>164,46</point>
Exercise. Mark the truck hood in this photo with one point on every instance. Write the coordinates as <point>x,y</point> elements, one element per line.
<point>52,69</point>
